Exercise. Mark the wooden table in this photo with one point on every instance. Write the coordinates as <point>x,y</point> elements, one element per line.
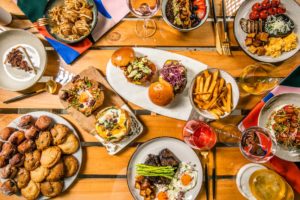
<point>103,176</point>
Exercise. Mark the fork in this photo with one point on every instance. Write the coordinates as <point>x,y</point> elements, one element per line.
<point>204,155</point>
<point>40,22</point>
<point>226,42</point>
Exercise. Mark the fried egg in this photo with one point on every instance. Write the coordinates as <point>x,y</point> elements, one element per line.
<point>184,180</point>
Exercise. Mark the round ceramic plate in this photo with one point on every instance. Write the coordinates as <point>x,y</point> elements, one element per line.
<point>272,105</point>
<point>57,119</point>
<point>292,10</point>
<point>52,3</point>
<point>228,79</point>
<point>181,150</point>
<point>15,79</point>
<point>243,176</point>
<point>163,10</point>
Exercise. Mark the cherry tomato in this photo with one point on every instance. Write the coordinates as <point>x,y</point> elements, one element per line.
<point>256,6</point>
<point>281,10</point>
<point>263,14</point>
<point>275,3</point>
<point>265,5</point>
<point>272,11</point>
<point>254,15</point>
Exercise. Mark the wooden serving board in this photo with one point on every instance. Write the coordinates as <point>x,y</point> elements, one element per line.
<point>111,98</point>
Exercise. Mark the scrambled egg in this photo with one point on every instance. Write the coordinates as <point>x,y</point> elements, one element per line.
<point>278,45</point>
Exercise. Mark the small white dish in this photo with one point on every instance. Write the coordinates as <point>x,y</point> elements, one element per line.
<point>243,176</point>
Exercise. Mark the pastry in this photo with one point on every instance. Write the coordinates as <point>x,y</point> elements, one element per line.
<point>44,140</point>
<point>59,133</point>
<point>50,156</point>
<point>17,160</point>
<point>31,132</point>
<point>31,191</point>
<point>52,189</point>
<point>22,178</point>
<point>16,137</point>
<point>6,132</point>
<point>71,165</point>
<point>8,150</point>
<point>113,124</point>
<point>25,121</point>
<point>39,174</point>
<point>84,95</point>
<point>70,145</point>
<point>57,172</point>
<point>43,122</point>
<point>3,161</point>
<point>32,160</point>
<point>26,146</point>
<point>9,187</point>
<point>8,172</point>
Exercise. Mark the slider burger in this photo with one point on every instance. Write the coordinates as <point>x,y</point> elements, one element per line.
<point>113,124</point>
<point>137,70</point>
<point>172,81</point>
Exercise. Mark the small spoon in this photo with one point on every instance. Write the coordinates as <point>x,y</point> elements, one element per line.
<point>50,87</point>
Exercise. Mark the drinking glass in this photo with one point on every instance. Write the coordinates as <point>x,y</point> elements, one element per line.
<point>144,9</point>
<point>257,79</point>
<point>257,144</point>
<point>199,135</point>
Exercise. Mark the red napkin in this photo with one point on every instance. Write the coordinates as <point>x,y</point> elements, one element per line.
<point>288,170</point>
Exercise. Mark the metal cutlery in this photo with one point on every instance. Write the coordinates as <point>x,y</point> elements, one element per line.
<point>38,23</point>
<point>204,155</point>
<point>226,42</point>
<point>217,32</point>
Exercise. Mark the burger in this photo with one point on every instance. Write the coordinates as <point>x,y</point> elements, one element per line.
<point>137,70</point>
<point>174,73</point>
<point>161,93</point>
<point>113,124</point>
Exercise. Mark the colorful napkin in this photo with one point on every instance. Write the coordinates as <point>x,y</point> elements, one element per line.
<point>110,12</point>
<point>289,170</point>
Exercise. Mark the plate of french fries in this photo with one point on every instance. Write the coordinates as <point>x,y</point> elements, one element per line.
<point>214,93</point>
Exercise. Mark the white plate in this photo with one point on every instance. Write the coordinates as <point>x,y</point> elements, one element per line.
<point>292,10</point>
<point>180,107</point>
<point>14,79</point>
<point>243,176</point>
<point>57,119</point>
<point>272,105</point>
<point>181,150</point>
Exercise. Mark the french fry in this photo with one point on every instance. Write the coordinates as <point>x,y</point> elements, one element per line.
<point>228,99</point>
<point>201,84</point>
<point>197,88</point>
<point>214,81</point>
<point>206,73</point>
<point>213,112</point>
<point>221,85</point>
<point>206,84</point>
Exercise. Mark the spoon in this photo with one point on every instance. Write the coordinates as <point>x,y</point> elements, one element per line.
<point>50,87</point>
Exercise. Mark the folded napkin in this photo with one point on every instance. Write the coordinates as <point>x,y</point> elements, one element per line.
<point>288,170</point>
<point>110,12</point>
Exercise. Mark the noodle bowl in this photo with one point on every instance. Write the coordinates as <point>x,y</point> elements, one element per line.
<point>71,20</point>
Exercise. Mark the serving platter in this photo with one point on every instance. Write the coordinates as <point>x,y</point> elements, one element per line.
<point>57,119</point>
<point>272,105</point>
<point>180,149</point>
<point>180,107</point>
<point>292,10</point>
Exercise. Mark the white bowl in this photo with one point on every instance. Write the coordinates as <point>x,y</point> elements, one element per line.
<point>163,10</point>
<point>228,79</point>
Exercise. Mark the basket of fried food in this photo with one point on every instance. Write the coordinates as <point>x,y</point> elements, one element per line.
<point>214,93</point>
